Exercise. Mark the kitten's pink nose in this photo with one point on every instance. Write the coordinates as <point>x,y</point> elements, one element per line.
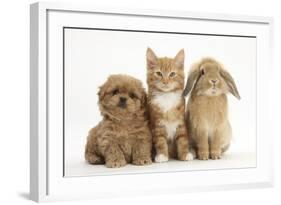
<point>165,81</point>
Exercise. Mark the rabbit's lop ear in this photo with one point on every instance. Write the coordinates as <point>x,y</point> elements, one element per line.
<point>230,83</point>
<point>191,81</point>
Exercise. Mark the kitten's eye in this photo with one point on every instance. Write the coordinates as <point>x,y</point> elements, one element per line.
<point>202,72</point>
<point>132,95</point>
<point>158,73</point>
<point>172,74</point>
<point>115,92</point>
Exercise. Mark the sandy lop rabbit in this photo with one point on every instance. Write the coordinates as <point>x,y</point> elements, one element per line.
<point>207,113</point>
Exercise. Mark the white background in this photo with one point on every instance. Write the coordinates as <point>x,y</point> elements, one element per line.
<point>92,55</point>
<point>14,104</point>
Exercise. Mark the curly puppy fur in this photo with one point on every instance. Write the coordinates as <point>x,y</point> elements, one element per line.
<point>123,136</point>
<point>207,112</point>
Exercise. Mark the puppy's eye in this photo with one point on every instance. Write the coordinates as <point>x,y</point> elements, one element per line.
<point>172,74</point>
<point>202,72</point>
<point>115,92</point>
<point>159,74</point>
<point>132,95</point>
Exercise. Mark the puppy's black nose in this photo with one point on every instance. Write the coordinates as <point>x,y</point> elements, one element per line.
<point>122,102</point>
<point>122,99</point>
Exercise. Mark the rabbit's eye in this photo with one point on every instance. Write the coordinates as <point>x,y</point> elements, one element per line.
<point>115,92</point>
<point>172,74</point>
<point>158,73</point>
<point>202,72</point>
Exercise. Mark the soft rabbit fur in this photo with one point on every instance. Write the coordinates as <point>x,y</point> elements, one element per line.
<point>207,110</point>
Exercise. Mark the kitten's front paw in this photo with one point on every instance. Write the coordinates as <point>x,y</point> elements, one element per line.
<point>116,163</point>
<point>161,158</point>
<point>215,155</point>
<point>203,155</point>
<point>142,161</point>
<point>186,156</point>
<point>189,156</point>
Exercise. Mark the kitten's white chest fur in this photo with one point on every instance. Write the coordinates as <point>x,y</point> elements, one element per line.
<point>167,101</point>
<point>171,128</point>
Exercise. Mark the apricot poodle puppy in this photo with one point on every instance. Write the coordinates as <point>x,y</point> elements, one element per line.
<point>123,135</point>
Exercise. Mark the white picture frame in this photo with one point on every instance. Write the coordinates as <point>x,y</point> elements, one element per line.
<point>47,181</point>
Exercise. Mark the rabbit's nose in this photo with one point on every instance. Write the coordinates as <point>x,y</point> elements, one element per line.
<point>214,81</point>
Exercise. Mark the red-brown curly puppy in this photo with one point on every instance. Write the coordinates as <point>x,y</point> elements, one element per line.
<point>123,136</point>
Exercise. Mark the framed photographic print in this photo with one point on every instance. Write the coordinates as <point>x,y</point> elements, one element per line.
<point>128,102</point>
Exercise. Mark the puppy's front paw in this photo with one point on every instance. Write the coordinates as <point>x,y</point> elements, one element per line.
<point>203,155</point>
<point>215,155</point>
<point>142,161</point>
<point>116,163</point>
<point>161,158</point>
<point>94,159</point>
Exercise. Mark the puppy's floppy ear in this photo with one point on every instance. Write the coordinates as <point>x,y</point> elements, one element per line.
<point>230,83</point>
<point>179,59</point>
<point>191,81</point>
<point>143,99</point>
<point>101,92</point>
<point>151,58</point>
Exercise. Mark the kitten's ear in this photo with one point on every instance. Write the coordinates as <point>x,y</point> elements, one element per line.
<point>179,59</point>
<point>151,58</point>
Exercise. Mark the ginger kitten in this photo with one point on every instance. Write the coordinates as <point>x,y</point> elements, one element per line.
<point>165,79</point>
